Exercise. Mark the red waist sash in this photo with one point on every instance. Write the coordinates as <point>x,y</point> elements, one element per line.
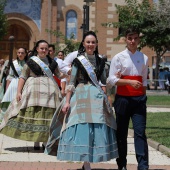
<point>128,90</point>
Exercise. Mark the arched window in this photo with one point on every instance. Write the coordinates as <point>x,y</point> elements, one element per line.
<point>71,24</point>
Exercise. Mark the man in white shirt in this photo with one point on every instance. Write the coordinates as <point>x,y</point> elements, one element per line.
<point>130,100</point>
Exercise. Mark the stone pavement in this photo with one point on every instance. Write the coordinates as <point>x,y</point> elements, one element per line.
<point>20,155</point>
<point>17,155</point>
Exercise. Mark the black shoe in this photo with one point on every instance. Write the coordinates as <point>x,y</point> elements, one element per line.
<point>43,147</point>
<point>36,147</point>
<point>122,168</point>
<point>83,167</point>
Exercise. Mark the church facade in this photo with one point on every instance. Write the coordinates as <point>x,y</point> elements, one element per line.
<point>29,21</point>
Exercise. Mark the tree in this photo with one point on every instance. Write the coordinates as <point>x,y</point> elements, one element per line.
<point>64,44</point>
<point>153,22</point>
<point>3,20</point>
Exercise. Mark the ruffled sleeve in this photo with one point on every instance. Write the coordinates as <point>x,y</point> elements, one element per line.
<point>72,83</point>
<point>25,72</point>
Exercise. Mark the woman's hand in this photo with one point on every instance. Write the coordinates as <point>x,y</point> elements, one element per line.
<point>66,108</point>
<point>19,95</point>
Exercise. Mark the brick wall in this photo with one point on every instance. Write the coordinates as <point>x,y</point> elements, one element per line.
<point>53,17</point>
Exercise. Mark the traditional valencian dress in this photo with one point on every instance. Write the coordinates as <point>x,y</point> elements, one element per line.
<point>88,131</point>
<point>11,92</point>
<point>3,75</point>
<point>29,119</point>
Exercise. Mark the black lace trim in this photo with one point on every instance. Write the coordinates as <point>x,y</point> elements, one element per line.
<point>36,69</point>
<point>100,64</point>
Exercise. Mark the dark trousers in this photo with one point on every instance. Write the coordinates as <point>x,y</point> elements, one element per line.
<point>134,108</point>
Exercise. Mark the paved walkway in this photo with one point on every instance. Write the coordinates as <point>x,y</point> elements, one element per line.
<point>16,154</point>
<point>20,155</point>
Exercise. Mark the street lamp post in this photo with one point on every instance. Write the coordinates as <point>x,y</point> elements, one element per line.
<point>86,15</point>
<point>84,19</point>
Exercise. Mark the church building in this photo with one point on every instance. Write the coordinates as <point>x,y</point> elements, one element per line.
<point>29,21</point>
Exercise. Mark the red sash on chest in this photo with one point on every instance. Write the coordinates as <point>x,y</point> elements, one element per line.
<point>128,90</point>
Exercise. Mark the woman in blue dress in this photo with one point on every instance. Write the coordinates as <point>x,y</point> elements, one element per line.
<point>88,131</point>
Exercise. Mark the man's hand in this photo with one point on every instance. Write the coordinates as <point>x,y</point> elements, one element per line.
<point>134,83</point>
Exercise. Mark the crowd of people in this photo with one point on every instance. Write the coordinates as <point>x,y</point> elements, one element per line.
<point>164,78</point>
<point>63,102</point>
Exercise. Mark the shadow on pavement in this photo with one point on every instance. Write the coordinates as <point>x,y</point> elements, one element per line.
<point>25,149</point>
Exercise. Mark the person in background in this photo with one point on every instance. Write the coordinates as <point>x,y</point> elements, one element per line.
<point>65,80</point>
<point>2,62</point>
<point>89,127</point>
<point>3,75</point>
<point>130,99</point>
<point>12,80</point>
<point>59,61</point>
<point>148,79</point>
<point>167,77</point>
<point>60,55</point>
<point>29,115</point>
<point>161,77</point>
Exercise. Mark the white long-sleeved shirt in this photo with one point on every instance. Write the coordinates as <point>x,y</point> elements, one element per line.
<point>130,64</point>
<point>68,61</point>
<point>63,67</point>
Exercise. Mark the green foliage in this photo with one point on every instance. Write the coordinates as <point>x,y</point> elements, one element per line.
<point>3,20</point>
<point>152,20</point>
<point>69,45</point>
<point>158,100</point>
<point>158,127</point>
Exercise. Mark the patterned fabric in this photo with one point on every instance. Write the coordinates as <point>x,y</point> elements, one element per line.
<point>88,99</point>
<point>46,70</point>
<point>31,124</point>
<point>90,71</point>
<point>87,105</point>
<point>2,89</point>
<point>4,106</point>
<point>30,118</point>
<point>88,142</point>
<point>10,93</point>
<point>55,129</point>
<point>39,91</point>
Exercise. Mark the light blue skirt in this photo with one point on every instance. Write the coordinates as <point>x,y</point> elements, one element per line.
<point>91,142</point>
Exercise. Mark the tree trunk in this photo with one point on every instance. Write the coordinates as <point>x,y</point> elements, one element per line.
<point>158,57</point>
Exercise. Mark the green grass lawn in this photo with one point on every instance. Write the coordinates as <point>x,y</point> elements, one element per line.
<point>158,100</point>
<point>158,127</point>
